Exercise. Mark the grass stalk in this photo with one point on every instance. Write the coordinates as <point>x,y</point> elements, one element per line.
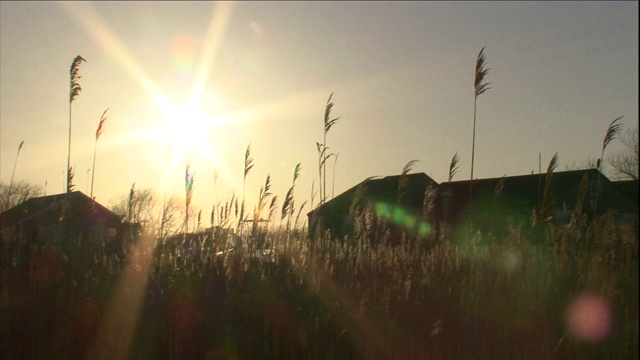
<point>74,91</point>
<point>612,133</point>
<point>13,172</point>
<point>480,88</point>
<point>95,147</point>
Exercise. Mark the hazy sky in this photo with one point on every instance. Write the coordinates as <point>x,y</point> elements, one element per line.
<point>401,73</point>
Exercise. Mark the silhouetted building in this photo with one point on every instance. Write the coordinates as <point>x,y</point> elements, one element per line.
<point>629,188</point>
<point>496,203</point>
<point>397,199</point>
<point>63,219</point>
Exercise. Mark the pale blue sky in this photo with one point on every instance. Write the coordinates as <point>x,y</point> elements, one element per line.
<point>401,74</point>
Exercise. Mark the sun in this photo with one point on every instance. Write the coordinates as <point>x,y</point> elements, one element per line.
<point>185,130</point>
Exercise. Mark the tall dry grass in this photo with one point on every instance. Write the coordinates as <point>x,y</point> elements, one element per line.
<point>74,91</point>
<point>95,148</point>
<point>481,297</point>
<point>323,154</point>
<point>480,87</point>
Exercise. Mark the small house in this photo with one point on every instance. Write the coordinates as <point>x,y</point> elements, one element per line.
<point>60,219</point>
<point>492,204</point>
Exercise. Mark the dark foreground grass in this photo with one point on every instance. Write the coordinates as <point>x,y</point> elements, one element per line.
<point>467,297</point>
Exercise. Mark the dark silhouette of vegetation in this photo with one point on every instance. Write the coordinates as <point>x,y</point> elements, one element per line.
<point>480,88</point>
<point>323,148</point>
<point>15,163</point>
<point>17,193</point>
<point>95,148</point>
<point>486,298</point>
<point>625,163</point>
<point>74,91</point>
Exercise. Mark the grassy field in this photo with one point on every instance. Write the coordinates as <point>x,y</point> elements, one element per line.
<point>556,294</point>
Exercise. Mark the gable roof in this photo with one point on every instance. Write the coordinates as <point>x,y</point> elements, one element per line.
<point>379,190</point>
<point>519,196</point>
<point>48,208</point>
<point>526,191</point>
<point>521,191</point>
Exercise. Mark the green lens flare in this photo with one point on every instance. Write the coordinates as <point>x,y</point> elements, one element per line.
<point>399,216</point>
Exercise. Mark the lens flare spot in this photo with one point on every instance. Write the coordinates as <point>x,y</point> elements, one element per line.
<point>383,210</point>
<point>399,215</point>
<point>409,222</point>
<point>424,229</point>
<point>112,232</point>
<point>589,318</point>
<point>183,51</point>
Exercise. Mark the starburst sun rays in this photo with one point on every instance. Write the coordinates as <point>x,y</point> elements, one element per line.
<point>184,130</point>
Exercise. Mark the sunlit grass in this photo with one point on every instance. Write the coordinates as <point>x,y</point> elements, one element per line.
<point>485,298</point>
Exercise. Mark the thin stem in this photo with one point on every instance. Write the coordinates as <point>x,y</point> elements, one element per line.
<point>14,169</point>
<point>333,184</point>
<point>473,148</point>
<point>69,149</point>
<point>164,196</point>
<point>320,176</point>
<point>324,170</point>
<point>93,171</point>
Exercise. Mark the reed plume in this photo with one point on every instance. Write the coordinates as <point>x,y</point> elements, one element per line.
<point>612,133</point>
<point>103,118</point>
<point>248,161</point>
<point>480,88</point>
<point>288,205</point>
<point>74,91</point>
<point>131,197</point>
<point>272,207</point>
<point>403,182</point>
<point>546,211</point>
<point>408,167</point>
<point>262,200</point>
<point>322,148</point>
<point>188,187</point>
<point>453,167</point>
<point>70,185</point>
<point>248,165</point>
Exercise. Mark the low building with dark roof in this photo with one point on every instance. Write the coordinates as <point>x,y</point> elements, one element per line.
<point>63,219</point>
<point>493,204</point>
<point>629,188</point>
<point>395,198</point>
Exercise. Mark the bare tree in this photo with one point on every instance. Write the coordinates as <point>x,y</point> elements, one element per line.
<point>143,206</point>
<point>146,210</point>
<point>625,163</point>
<point>170,218</point>
<point>585,164</point>
<point>17,193</point>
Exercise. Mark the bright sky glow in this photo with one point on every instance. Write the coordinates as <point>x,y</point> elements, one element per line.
<point>197,82</point>
<point>185,130</point>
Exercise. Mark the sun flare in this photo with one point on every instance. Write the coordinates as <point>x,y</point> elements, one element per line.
<point>185,130</point>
